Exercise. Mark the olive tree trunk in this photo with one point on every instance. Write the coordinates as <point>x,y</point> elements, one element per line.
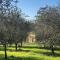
<point>16,46</point>
<point>5,49</point>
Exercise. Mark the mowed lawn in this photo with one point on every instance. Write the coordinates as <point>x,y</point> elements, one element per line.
<point>29,53</point>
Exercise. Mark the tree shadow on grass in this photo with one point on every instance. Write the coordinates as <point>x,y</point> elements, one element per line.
<point>49,54</point>
<point>48,48</point>
<point>26,47</point>
<point>19,50</point>
<point>22,58</point>
<point>24,50</point>
<point>18,58</point>
<point>30,47</point>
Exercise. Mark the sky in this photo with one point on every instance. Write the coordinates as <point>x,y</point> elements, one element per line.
<point>30,7</point>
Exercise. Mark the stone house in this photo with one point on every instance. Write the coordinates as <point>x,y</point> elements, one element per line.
<point>31,37</point>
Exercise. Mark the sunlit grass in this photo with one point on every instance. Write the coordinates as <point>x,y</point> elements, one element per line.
<point>29,54</point>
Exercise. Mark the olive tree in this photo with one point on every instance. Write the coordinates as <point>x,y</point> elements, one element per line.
<point>47,26</point>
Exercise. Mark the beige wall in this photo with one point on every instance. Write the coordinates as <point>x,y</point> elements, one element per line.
<point>31,37</point>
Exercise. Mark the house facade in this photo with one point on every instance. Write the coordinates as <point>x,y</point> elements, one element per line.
<point>31,37</point>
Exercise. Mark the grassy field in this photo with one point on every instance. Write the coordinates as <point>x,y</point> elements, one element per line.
<point>31,52</point>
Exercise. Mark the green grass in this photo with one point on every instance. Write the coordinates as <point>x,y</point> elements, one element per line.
<point>28,53</point>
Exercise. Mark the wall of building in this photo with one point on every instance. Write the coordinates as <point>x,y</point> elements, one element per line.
<point>31,37</point>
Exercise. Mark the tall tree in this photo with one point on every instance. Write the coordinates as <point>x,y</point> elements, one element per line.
<point>47,25</point>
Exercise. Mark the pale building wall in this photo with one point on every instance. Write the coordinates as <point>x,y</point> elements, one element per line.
<point>31,37</point>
